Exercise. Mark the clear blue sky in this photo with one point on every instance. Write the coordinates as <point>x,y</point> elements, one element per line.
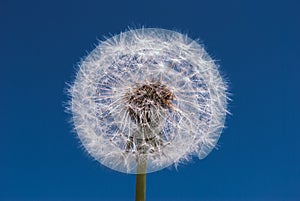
<point>257,44</point>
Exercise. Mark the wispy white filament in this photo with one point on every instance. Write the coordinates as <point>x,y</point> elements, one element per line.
<point>116,67</point>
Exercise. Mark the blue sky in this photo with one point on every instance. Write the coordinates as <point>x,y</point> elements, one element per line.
<point>257,46</point>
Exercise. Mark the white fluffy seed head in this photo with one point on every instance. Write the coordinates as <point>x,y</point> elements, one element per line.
<point>150,92</point>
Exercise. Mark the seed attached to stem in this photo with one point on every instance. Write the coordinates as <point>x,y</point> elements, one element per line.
<point>142,101</point>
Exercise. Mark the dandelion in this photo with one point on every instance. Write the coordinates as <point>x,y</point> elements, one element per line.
<point>146,99</point>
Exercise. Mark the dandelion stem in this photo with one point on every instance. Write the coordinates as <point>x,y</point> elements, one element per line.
<point>140,191</point>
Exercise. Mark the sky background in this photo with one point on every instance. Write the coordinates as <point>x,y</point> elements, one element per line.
<point>257,46</point>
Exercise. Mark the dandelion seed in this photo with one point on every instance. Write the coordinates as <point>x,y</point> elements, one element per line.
<point>148,94</point>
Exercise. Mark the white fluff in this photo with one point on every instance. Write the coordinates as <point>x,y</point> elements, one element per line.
<point>114,68</point>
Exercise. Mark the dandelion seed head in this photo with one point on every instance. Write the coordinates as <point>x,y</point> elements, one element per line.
<point>150,92</point>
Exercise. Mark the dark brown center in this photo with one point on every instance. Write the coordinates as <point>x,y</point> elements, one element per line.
<point>147,96</point>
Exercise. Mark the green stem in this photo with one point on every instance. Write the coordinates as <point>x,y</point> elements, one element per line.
<point>140,190</point>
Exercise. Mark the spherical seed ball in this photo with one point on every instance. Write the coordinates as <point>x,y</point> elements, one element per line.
<point>148,92</point>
